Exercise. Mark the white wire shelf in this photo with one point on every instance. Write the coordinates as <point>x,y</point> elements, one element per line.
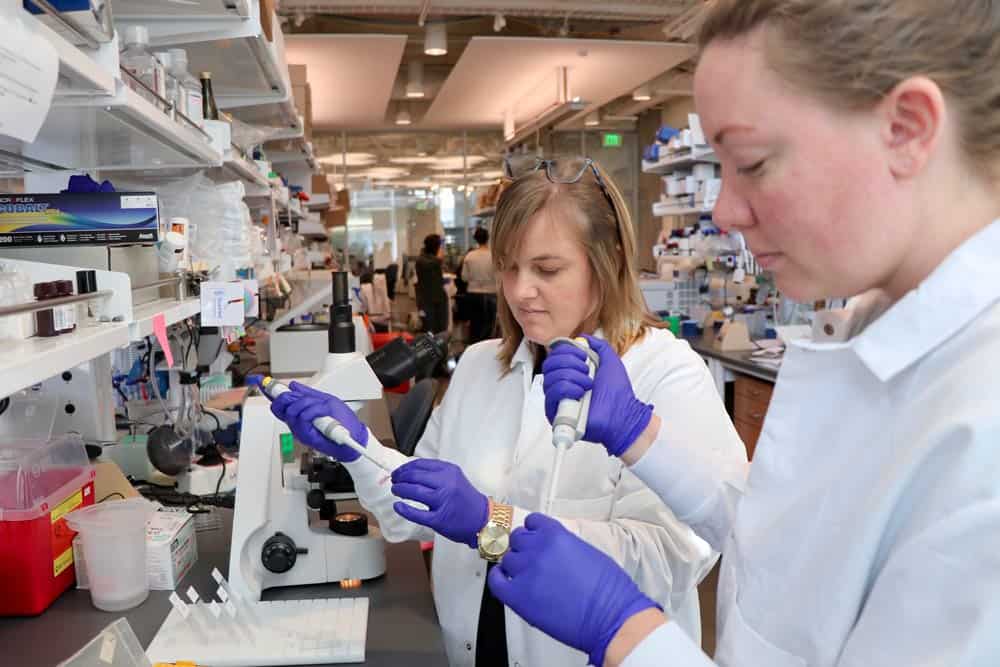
<point>222,37</point>
<point>27,362</point>
<point>669,163</point>
<point>661,209</point>
<point>173,311</point>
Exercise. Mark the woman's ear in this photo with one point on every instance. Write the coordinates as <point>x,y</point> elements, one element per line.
<point>913,118</point>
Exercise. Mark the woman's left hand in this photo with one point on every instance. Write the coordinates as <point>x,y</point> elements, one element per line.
<point>617,418</point>
<point>455,509</point>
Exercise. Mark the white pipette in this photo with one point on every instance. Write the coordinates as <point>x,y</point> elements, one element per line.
<point>571,418</point>
<point>332,429</point>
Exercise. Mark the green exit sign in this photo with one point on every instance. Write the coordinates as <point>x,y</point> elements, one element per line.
<point>612,140</point>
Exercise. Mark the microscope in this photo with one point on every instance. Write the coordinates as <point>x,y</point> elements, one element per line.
<point>286,528</point>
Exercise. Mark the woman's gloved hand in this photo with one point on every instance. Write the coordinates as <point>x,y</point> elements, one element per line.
<point>455,508</point>
<point>300,406</point>
<point>565,587</point>
<point>617,418</point>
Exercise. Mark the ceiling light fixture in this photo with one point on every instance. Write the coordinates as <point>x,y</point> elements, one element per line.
<point>403,117</point>
<point>415,79</point>
<point>410,159</point>
<point>436,39</point>
<point>592,120</point>
<point>642,94</point>
<point>353,159</point>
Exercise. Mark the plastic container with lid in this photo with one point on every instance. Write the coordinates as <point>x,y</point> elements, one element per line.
<point>40,483</point>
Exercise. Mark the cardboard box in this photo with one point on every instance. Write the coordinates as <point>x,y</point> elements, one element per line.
<point>95,218</point>
<point>267,19</point>
<point>343,200</point>
<point>336,218</point>
<point>320,185</point>
<point>171,550</point>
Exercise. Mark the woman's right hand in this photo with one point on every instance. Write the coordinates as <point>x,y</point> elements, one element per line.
<point>300,406</point>
<point>617,418</point>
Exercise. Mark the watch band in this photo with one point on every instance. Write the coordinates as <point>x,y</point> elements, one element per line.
<point>502,515</point>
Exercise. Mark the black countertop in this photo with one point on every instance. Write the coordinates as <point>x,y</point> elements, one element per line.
<point>741,361</point>
<point>402,623</point>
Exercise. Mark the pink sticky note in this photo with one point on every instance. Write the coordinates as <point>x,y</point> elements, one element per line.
<point>160,331</point>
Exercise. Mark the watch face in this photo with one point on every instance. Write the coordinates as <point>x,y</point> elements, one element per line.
<point>494,540</point>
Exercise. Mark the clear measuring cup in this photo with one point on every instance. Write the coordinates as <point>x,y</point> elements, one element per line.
<point>114,551</point>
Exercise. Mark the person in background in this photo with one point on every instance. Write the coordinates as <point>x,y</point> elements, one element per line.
<point>432,300</point>
<point>477,272</point>
<point>860,150</point>
<point>564,249</point>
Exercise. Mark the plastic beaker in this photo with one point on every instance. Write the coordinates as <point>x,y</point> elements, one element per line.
<point>114,551</point>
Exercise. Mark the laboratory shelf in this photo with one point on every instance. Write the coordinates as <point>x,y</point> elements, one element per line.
<point>661,209</point>
<point>222,37</point>
<point>173,311</point>
<point>281,118</point>
<point>292,151</point>
<point>121,133</point>
<point>79,73</point>
<point>669,163</point>
<point>238,168</point>
<point>28,362</point>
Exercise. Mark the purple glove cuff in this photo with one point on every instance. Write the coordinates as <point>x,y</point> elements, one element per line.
<point>642,603</point>
<point>638,416</point>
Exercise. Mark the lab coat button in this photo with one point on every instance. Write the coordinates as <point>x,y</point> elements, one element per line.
<point>478,574</point>
<point>468,646</point>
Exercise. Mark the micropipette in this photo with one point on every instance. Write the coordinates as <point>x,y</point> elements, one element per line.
<point>571,418</point>
<point>332,429</point>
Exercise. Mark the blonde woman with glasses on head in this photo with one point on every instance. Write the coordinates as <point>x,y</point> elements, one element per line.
<point>564,251</point>
<point>860,149</point>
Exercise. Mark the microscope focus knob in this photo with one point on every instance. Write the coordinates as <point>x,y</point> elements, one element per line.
<point>279,553</point>
<point>315,498</point>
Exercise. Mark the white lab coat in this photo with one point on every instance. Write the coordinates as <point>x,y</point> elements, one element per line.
<point>494,427</point>
<point>868,530</point>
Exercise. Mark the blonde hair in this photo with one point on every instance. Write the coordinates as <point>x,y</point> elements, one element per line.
<point>610,246</point>
<point>852,53</point>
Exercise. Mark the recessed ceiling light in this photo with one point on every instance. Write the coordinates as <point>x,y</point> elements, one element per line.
<point>642,94</point>
<point>592,119</point>
<point>353,159</point>
<point>403,117</point>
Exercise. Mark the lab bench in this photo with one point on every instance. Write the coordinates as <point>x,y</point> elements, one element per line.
<point>744,385</point>
<point>402,623</point>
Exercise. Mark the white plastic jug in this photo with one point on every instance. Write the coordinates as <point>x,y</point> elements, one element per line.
<point>114,550</point>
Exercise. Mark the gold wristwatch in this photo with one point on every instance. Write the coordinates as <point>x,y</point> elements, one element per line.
<point>494,538</point>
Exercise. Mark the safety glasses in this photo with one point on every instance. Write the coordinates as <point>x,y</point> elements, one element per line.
<point>565,171</point>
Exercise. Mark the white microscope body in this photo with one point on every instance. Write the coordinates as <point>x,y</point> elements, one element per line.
<point>277,539</point>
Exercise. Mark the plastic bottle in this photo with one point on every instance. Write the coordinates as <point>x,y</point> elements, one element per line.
<point>137,59</point>
<point>171,86</point>
<point>191,86</point>
<point>86,283</point>
<point>65,316</point>
<point>210,111</point>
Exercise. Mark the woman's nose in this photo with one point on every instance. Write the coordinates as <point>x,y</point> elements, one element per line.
<point>732,210</point>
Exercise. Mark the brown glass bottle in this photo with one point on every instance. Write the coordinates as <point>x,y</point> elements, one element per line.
<point>45,319</point>
<point>208,107</point>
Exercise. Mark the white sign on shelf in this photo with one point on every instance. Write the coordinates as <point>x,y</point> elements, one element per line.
<point>222,304</point>
<point>29,68</point>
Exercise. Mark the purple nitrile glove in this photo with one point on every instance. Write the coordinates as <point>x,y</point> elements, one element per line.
<point>300,406</point>
<point>617,418</point>
<point>566,588</point>
<point>455,508</point>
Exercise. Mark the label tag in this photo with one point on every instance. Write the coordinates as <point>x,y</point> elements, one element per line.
<point>108,646</point>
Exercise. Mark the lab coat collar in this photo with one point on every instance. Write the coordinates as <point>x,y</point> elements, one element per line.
<point>952,296</point>
<point>524,355</point>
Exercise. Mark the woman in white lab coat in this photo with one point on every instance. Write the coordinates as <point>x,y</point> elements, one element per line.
<point>860,146</point>
<point>565,252</point>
